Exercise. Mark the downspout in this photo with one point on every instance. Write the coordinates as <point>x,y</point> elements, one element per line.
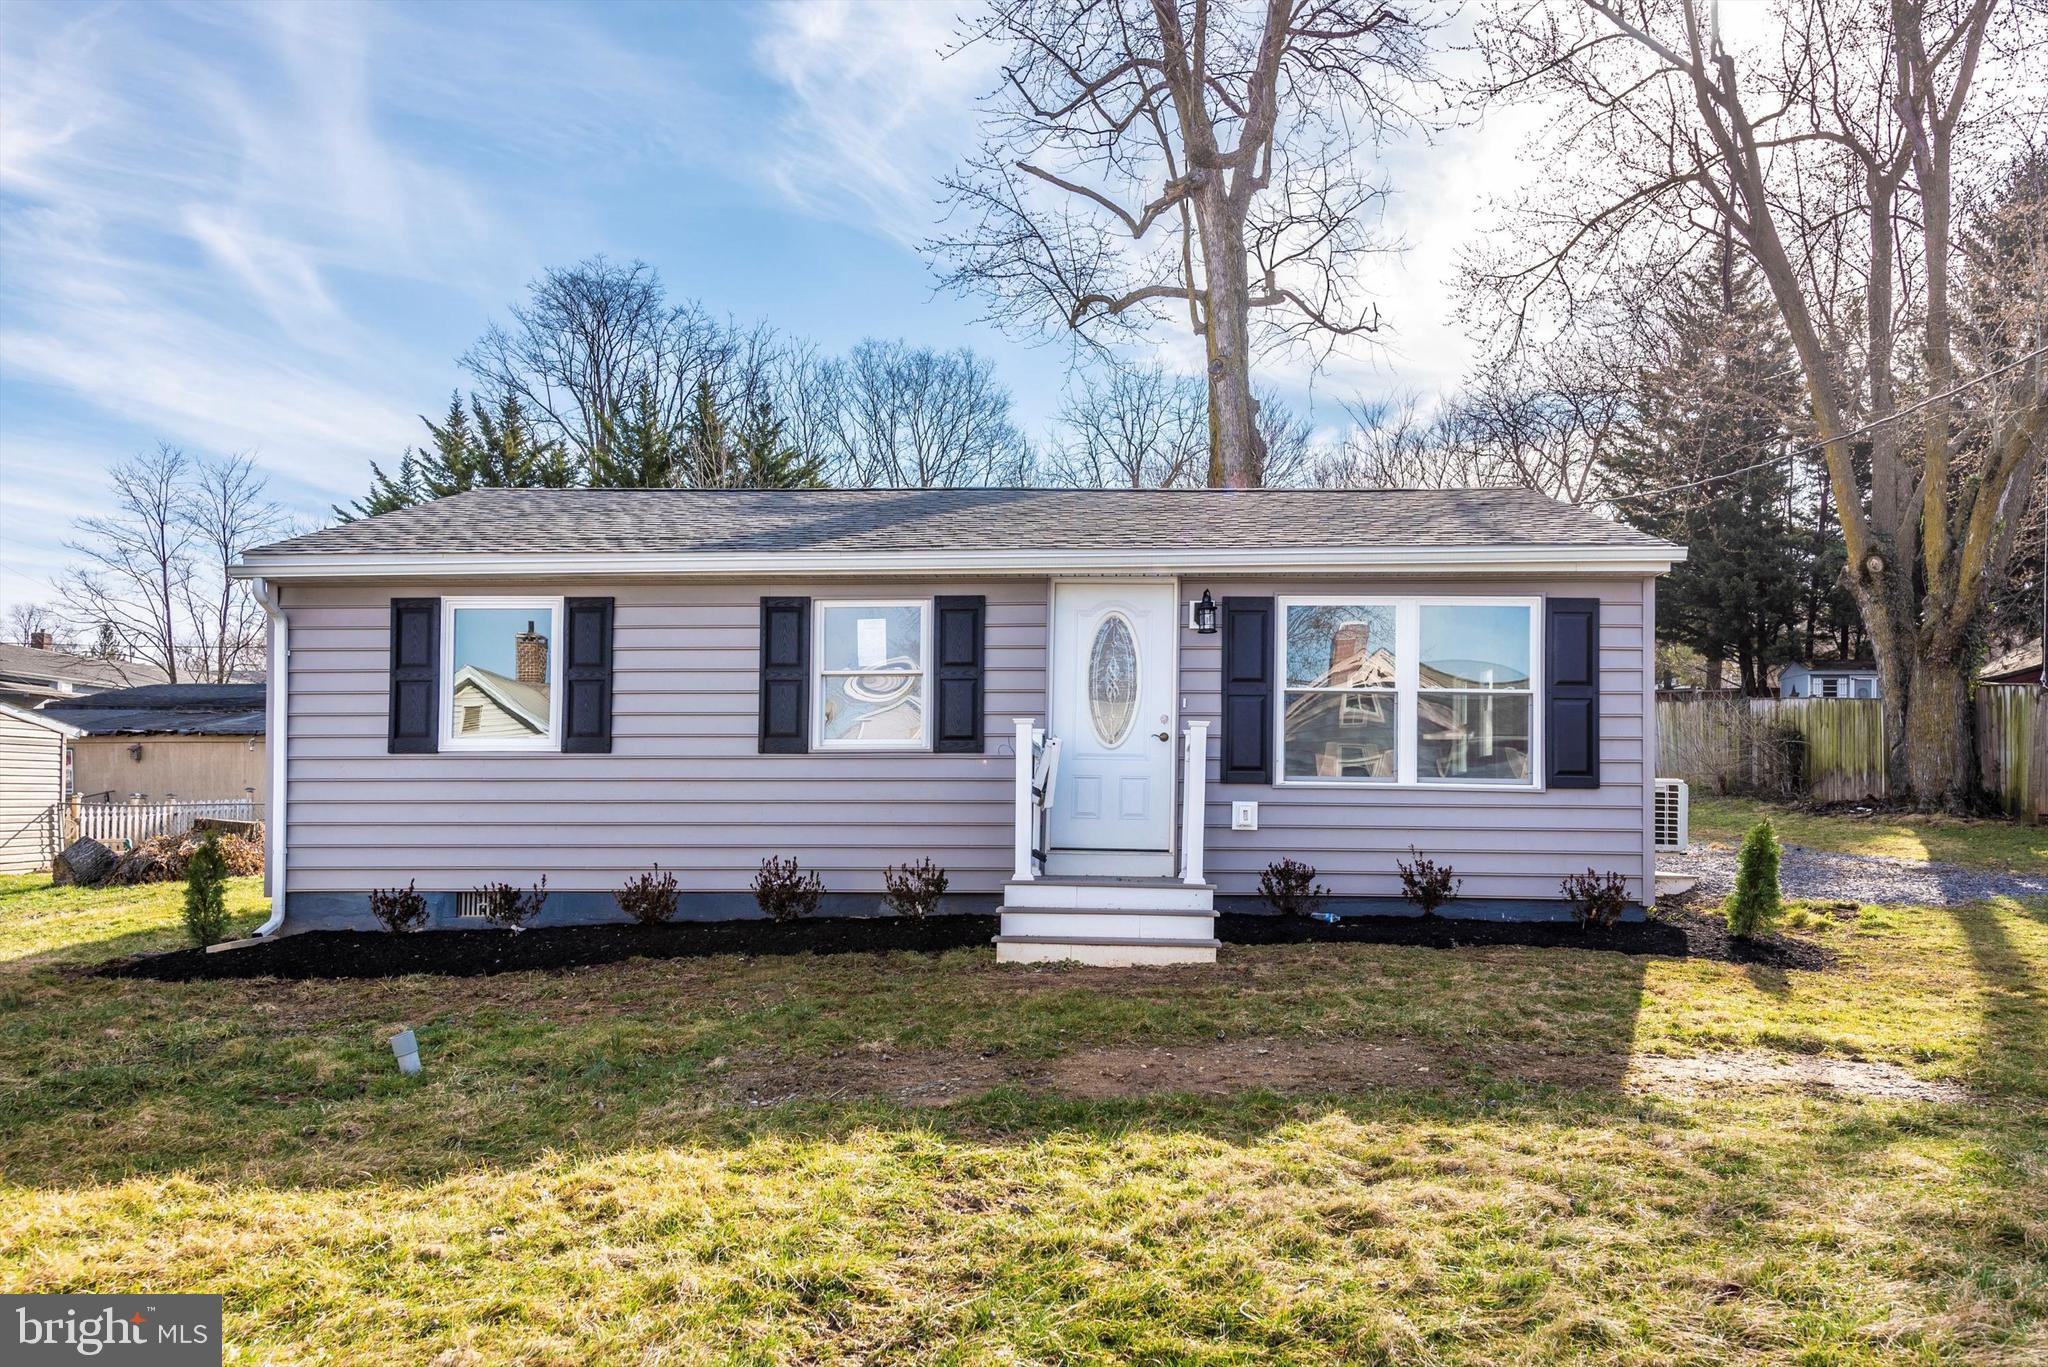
<point>277,692</point>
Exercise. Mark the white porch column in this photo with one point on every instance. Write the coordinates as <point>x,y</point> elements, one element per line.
<point>1194,800</point>
<point>1026,805</point>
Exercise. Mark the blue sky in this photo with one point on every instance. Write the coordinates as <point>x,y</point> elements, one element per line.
<point>271,229</point>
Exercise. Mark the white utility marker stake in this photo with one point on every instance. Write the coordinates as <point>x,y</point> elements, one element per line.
<point>407,1049</point>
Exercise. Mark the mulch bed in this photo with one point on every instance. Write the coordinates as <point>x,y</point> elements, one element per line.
<point>472,953</point>
<point>1672,932</point>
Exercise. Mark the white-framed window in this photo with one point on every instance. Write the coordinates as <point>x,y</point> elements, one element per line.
<point>501,673</point>
<point>870,675</point>
<point>1410,691</point>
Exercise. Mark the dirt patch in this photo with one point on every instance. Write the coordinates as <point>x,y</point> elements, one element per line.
<point>1298,1066</point>
<point>1745,1071</point>
<point>474,953</point>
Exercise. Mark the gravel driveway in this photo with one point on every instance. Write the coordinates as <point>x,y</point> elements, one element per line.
<point>1858,877</point>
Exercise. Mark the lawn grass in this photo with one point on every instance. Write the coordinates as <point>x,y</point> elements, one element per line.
<point>1972,843</point>
<point>569,1182</point>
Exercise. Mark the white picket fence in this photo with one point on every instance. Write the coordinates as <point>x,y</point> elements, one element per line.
<point>118,825</point>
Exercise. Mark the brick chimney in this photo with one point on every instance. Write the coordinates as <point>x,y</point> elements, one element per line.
<point>1347,651</point>
<point>39,640</point>
<point>530,656</point>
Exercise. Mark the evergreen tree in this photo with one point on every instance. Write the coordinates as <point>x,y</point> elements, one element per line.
<point>707,455</point>
<point>206,881</point>
<point>472,448</point>
<point>1723,396</point>
<point>765,459</point>
<point>640,450</point>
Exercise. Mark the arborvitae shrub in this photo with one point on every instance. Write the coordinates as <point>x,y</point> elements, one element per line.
<point>206,894</point>
<point>1756,903</point>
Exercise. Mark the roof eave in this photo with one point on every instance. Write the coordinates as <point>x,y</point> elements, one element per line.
<point>1443,560</point>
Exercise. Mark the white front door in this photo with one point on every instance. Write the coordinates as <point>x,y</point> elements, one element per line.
<point>1113,686</point>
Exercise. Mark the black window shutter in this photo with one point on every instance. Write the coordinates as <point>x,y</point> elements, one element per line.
<point>957,669</point>
<point>1571,682</point>
<point>785,676</point>
<point>1248,688</point>
<point>587,676</point>
<point>415,670</point>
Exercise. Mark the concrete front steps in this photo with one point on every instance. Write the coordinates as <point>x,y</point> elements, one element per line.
<point>1107,921</point>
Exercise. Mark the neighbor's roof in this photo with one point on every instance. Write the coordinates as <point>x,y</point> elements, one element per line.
<point>758,530</point>
<point>168,710</point>
<point>28,672</point>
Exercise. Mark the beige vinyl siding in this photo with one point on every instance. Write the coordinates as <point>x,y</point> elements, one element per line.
<point>190,766</point>
<point>1503,843</point>
<point>684,784</point>
<point>31,791</point>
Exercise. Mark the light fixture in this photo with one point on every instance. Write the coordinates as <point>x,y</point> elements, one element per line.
<point>135,752</point>
<point>1205,615</point>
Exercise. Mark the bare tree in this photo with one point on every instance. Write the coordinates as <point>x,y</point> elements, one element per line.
<point>1132,428</point>
<point>1399,443</point>
<point>1833,153</point>
<point>1147,159</point>
<point>38,623</point>
<point>154,584</point>
<point>225,512</point>
<point>598,348</point>
<point>894,416</point>
<point>137,560</point>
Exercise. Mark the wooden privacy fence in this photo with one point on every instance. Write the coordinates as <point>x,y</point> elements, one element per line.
<point>119,824</point>
<point>2012,748</point>
<point>1833,750</point>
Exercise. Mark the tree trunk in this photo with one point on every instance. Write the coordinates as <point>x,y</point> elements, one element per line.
<point>1713,673</point>
<point>1939,759</point>
<point>1236,452</point>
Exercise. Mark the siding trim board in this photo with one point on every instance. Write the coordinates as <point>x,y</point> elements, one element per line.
<point>686,786</point>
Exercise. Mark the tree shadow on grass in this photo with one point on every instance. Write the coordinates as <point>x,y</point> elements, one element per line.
<point>2013,1039</point>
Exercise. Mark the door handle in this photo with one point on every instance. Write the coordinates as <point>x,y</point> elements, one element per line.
<point>1166,735</point>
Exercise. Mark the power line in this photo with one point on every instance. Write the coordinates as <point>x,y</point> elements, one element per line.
<point>1802,449</point>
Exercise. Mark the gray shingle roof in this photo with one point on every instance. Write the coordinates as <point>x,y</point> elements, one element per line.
<point>855,520</point>
<point>167,709</point>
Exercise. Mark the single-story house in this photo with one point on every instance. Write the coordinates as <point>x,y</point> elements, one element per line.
<point>31,788</point>
<point>1829,679</point>
<point>188,741</point>
<point>37,673</point>
<point>1105,712</point>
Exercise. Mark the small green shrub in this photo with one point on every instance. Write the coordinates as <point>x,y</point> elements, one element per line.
<point>507,906</point>
<point>398,910</point>
<point>650,898</point>
<point>914,890</point>
<point>784,892</point>
<point>1598,899</point>
<point>1757,903</point>
<point>1290,888</point>
<point>1427,883</point>
<point>206,894</point>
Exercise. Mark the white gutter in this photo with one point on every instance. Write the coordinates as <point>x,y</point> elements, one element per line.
<point>277,697</point>
<point>1432,560</point>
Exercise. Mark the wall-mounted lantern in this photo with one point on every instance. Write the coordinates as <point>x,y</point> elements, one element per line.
<point>1205,615</point>
<point>135,752</point>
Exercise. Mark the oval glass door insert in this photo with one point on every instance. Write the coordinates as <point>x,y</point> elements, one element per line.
<point>1113,680</point>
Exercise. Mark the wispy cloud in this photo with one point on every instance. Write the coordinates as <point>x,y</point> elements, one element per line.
<point>879,106</point>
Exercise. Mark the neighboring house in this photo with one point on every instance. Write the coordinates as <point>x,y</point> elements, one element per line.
<point>31,675</point>
<point>190,741</point>
<point>2020,665</point>
<point>857,678</point>
<point>1829,679</point>
<point>31,788</point>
